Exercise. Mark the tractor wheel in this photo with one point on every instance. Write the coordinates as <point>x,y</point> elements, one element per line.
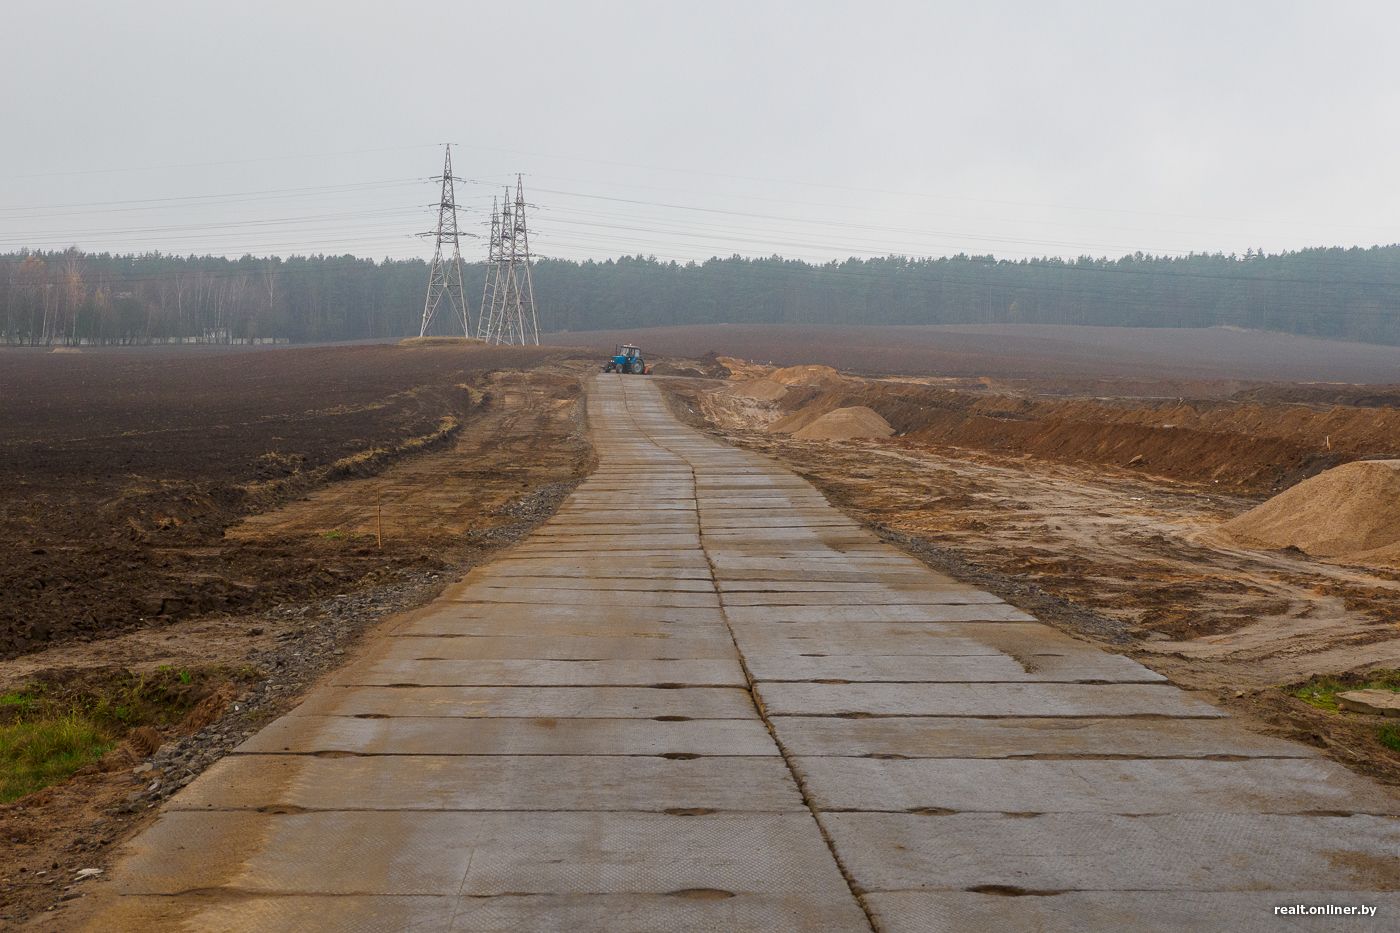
<point>636,367</point>
<point>608,367</point>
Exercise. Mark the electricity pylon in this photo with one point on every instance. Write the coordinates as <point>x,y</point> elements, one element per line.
<point>445,277</point>
<point>508,300</point>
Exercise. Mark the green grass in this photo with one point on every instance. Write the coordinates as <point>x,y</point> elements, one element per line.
<point>1321,691</point>
<point>37,753</point>
<point>1389,736</point>
<point>51,730</point>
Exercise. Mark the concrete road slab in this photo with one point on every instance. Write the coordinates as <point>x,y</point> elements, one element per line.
<point>976,612</point>
<point>910,584</point>
<point>831,576</point>
<point>615,599</point>
<point>941,596</point>
<point>1041,653</point>
<point>640,554</point>
<point>782,667</point>
<point>973,699</point>
<point>585,568</point>
<point>789,544</point>
<point>686,910</point>
<point>812,514</point>
<point>508,577</point>
<point>732,561</point>
<point>930,668</point>
<point>849,639</point>
<point>309,735</point>
<point>482,854</point>
<point>655,784</point>
<point>588,566</point>
<point>768,500</point>
<point>489,672</point>
<point>688,644</point>
<point>736,555</point>
<point>460,618</point>
<point>1078,851</point>
<point>531,702</point>
<point>618,516</point>
<point>612,530</point>
<point>581,502</point>
<point>966,737</point>
<point>1140,912</point>
<point>1159,785</point>
<point>624,627</point>
<point>639,541</point>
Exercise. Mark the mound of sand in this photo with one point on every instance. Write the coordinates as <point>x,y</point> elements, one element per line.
<point>844,424</point>
<point>756,388</point>
<point>1351,511</point>
<point>808,376</point>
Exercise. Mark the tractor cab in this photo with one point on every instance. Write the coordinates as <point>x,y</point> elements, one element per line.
<point>626,359</point>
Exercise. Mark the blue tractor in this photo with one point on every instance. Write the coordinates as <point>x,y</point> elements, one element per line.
<point>627,359</point>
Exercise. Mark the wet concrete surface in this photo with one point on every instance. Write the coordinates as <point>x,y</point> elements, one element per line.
<point>702,699</point>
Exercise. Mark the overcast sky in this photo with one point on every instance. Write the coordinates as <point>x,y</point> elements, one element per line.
<point>686,130</point>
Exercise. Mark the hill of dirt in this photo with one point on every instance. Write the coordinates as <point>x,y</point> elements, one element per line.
<point>844,424</point>
<point>823,376</point>
<point>766,389</point>
<point>1256,446</point>
<point>1352,511</point>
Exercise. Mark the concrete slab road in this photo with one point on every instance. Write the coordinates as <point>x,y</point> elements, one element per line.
<point>702,699</point>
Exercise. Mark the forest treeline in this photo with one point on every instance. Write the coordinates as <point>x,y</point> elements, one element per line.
<point>73,297</point>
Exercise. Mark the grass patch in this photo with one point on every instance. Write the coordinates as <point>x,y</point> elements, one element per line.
<point>70,717</point>
<point>1389,736</point>
<point>1321,690</point>
<point>35,754</point>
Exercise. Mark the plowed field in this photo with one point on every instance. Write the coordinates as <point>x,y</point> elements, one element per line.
<point>122,471</point>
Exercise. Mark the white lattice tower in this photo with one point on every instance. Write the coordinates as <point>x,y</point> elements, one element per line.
<point>445,276</point>
<point>511,318</point>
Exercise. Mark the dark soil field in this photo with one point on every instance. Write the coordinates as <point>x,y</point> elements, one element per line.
<point>191,539</point>
<point>121,471</point>
<point>1027,351</point>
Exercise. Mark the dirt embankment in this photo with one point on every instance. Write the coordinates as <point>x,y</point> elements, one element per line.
<point>1257,446</point>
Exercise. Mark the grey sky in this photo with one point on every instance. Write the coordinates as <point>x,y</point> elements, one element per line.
<point>685,130</point>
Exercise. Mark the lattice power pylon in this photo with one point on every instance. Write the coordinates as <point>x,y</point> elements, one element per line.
<point>445,278</point>
<point>508,300</point>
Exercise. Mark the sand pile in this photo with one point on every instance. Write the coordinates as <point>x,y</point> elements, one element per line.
<point>1352,511</point>
<point>765,389</point>
<point>808,376</point>
<point>844,424</point>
